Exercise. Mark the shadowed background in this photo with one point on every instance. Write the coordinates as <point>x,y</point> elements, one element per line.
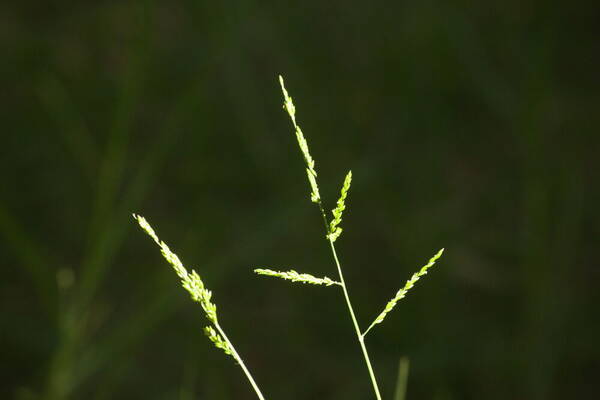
<point>467,126</point>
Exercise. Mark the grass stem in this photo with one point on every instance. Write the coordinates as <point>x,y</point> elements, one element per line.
<point>360,337</point>
<point>237,357</point>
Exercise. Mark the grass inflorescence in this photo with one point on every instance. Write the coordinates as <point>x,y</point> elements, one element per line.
<point>194,285</point>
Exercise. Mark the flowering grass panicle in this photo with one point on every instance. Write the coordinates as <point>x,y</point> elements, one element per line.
<point>194,285</point>
<point>333,231</point>
<point>190,281</point>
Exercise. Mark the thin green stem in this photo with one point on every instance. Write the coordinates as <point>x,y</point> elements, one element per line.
<point>360,337</point>
<point>324,215</point>
<point>368,329</point>
<point>237,357</point>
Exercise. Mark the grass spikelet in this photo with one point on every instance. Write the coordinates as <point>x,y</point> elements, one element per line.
<point>217,339</point>
<point>402,292</point>
<point>334,230</point>
<point>296,277</point>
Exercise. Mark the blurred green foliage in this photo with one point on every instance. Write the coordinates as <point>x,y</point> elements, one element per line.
<point>469,126</point>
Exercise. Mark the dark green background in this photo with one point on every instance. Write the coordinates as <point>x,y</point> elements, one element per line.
<point>468,125</point>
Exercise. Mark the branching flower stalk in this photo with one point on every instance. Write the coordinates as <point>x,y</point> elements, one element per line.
<point>333,231</point>
<point>193,284</point>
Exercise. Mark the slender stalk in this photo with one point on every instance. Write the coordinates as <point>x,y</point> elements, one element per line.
<point>400,393</point>
<point>369,328</point>
<point>360,337</point>
<point>237,357</point>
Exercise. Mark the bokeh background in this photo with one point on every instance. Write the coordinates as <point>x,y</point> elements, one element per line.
<point>469,126</point>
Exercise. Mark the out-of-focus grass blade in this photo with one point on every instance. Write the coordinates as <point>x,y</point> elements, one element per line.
<point>401,383</point>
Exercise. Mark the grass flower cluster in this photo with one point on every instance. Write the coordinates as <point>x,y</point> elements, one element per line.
<point>296,277</point>
<point>192,282</point>
<point>402,292</point>
<point>334,230</point>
